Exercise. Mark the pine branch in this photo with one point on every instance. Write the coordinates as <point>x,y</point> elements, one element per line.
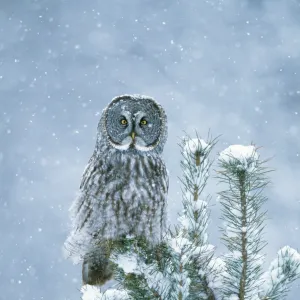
<point>183,266</point>
<point>282,272</point>
<point>194,221</point>
<point>146,276</point>
<point>244,174</point>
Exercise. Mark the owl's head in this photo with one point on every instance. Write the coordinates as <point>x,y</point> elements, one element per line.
<point>134,122</point>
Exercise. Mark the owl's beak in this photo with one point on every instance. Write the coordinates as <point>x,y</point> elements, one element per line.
<point>133,135</point>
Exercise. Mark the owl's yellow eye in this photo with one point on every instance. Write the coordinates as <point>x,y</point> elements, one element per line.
<point>124,122</point>
<point>143,122</point>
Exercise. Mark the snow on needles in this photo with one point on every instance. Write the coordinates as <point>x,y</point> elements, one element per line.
<point>92,293</point>
<point>244,157</point>
<point>127,262</point>
<point>287,251</point>
<point>286,264</point>
<point>194,145</point>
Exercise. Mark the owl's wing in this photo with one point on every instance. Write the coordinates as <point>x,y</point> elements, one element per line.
<point>87,171</point>
<point>90,188</point>
<point>81,210</point>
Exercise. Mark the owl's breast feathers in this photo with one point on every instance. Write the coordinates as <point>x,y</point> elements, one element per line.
<point>120,194</point>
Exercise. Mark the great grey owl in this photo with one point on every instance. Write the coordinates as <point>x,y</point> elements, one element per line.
<point>124,186</point>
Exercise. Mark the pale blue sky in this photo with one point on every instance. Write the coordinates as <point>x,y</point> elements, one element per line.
<point>231,66</point>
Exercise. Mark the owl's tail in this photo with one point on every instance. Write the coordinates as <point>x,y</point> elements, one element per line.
<point>97,269</point>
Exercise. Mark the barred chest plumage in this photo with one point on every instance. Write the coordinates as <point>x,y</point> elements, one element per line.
<point>123,193</point>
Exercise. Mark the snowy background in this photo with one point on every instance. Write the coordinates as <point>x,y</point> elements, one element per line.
<point>231,66</point>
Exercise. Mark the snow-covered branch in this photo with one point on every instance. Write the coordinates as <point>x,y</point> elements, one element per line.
<point>193,222</point>
<point>244,175</point>
<point>184,266</point>
<point>282,272</point>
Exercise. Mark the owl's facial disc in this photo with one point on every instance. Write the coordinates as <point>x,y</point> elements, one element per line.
<point>133,124</point>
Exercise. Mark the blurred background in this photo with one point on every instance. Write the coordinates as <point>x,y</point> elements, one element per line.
<point>231,67</point>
